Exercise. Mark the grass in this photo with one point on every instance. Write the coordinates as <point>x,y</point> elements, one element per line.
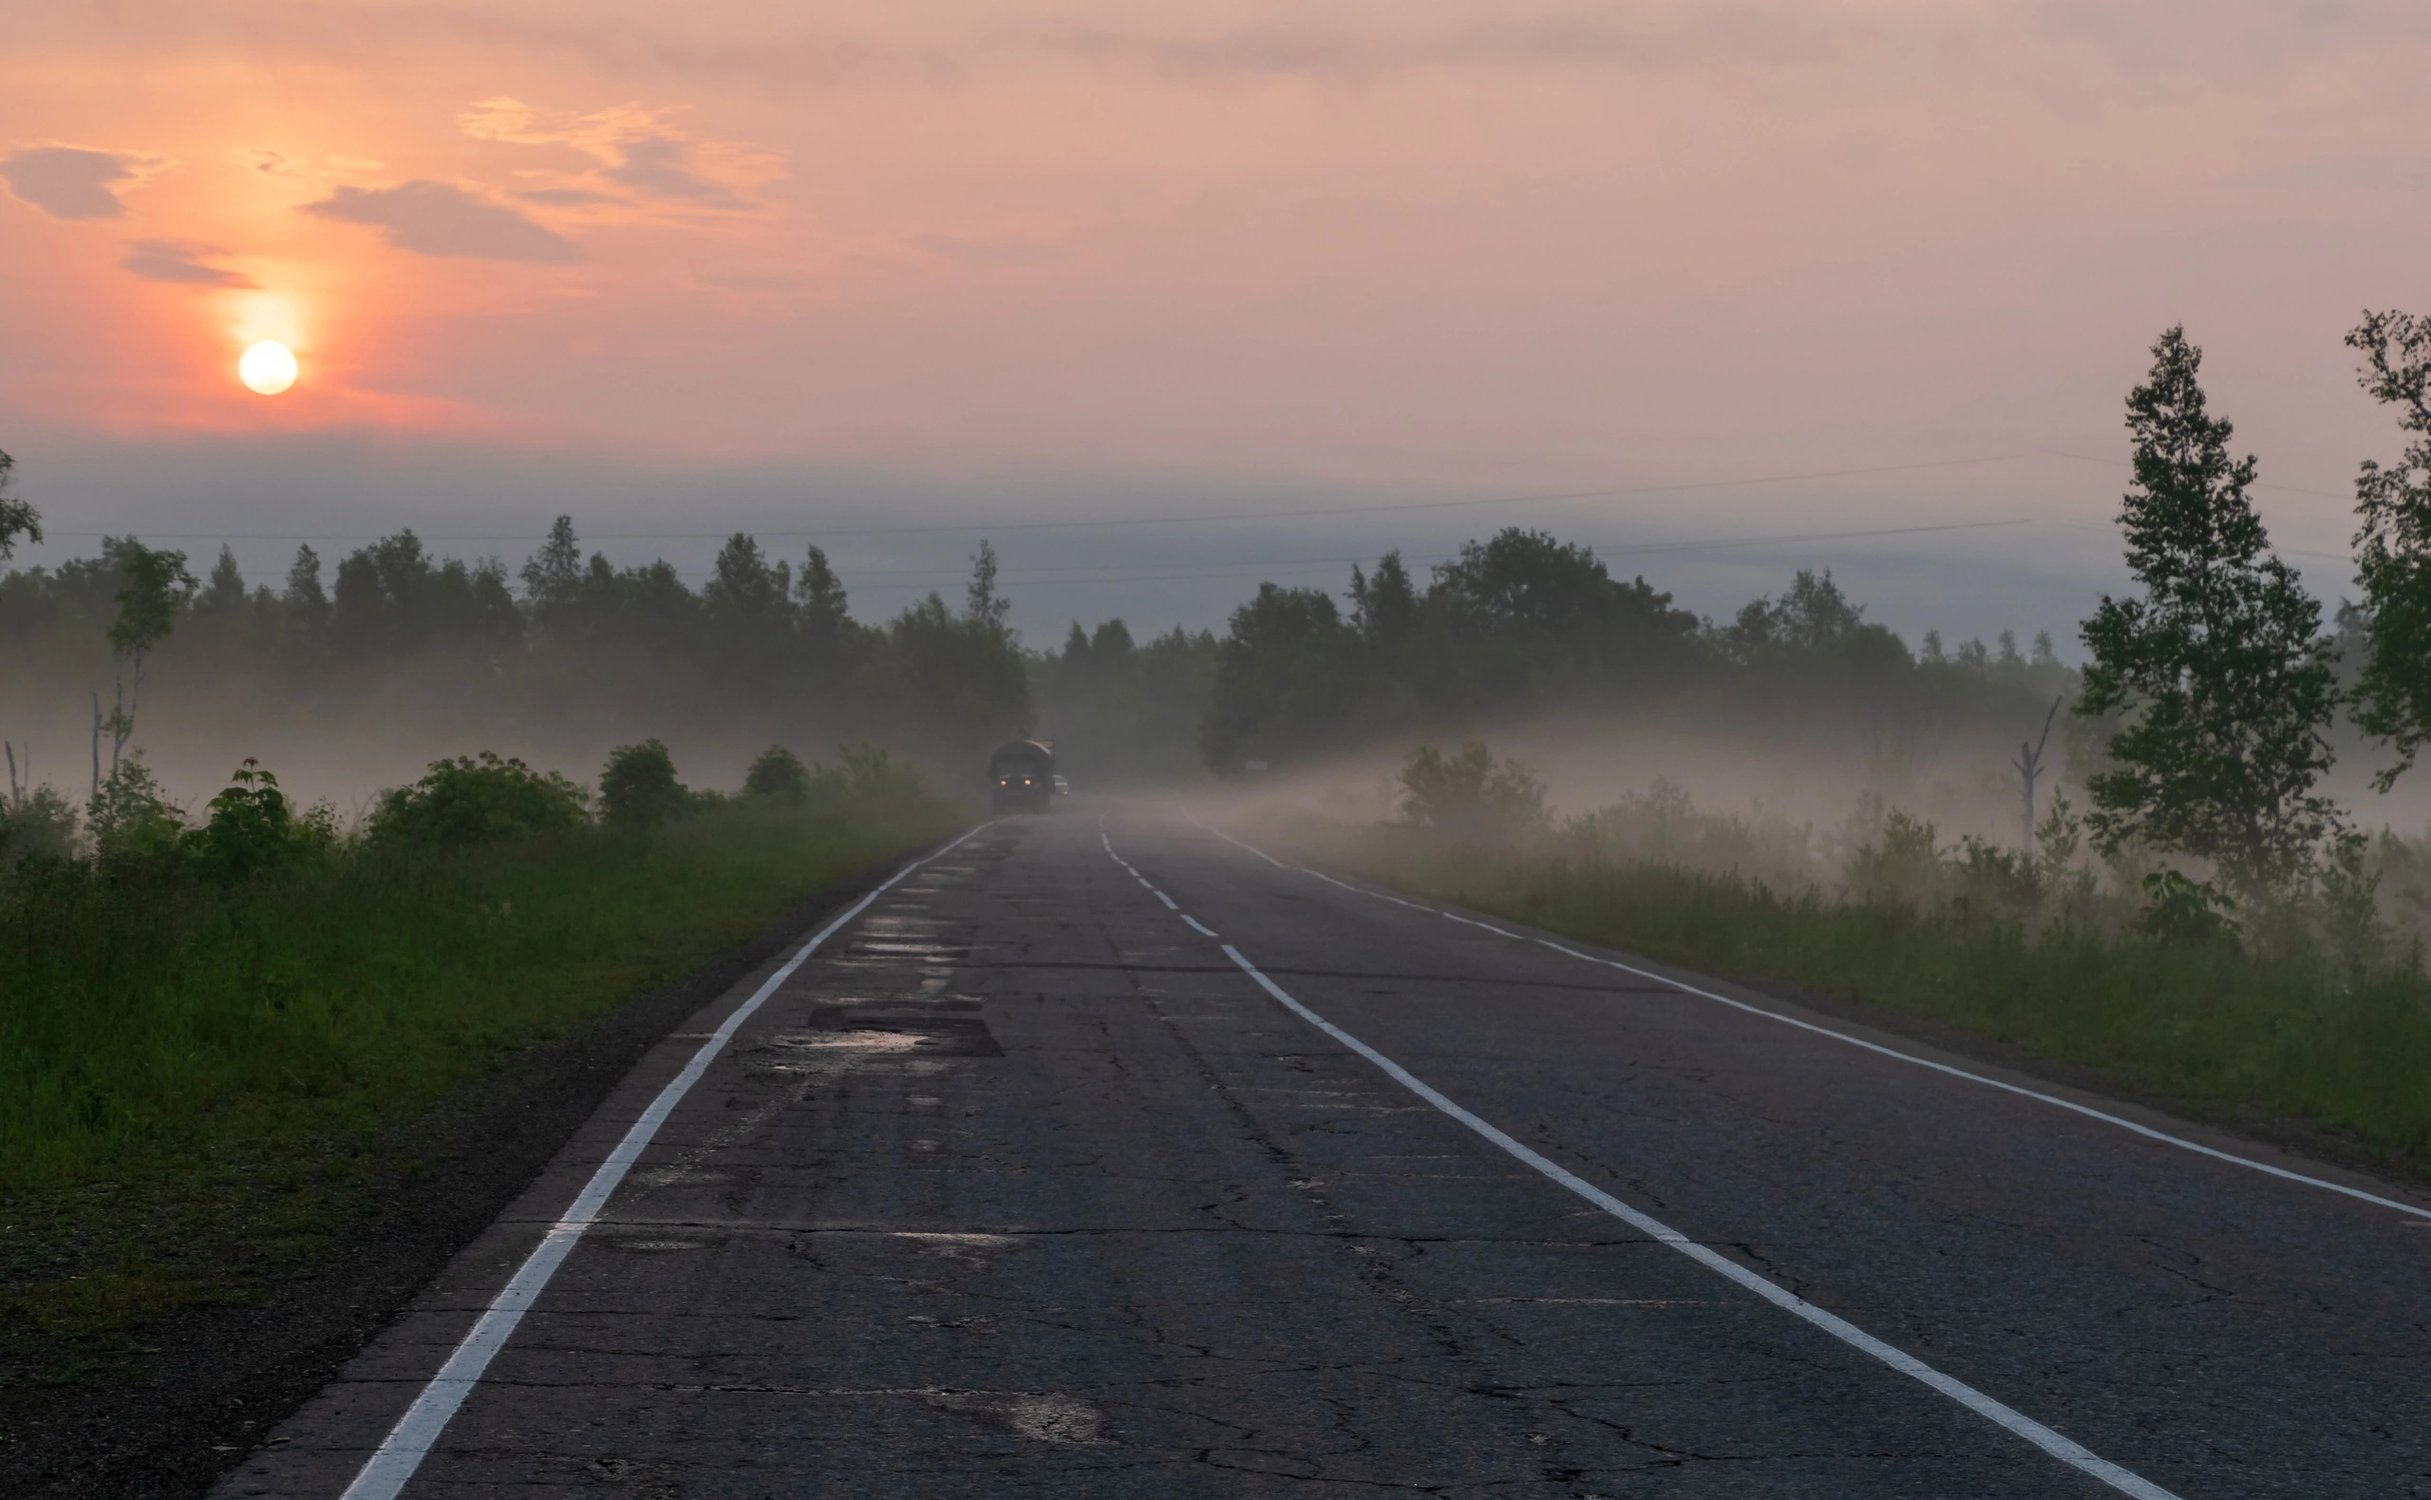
<point>2233,1034</point>
<point>174,1053</point>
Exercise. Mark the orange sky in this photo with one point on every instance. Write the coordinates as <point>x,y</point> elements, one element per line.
<point>1403,246</point>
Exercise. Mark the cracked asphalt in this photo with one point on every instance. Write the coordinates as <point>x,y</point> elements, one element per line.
<point>1021,1187</point>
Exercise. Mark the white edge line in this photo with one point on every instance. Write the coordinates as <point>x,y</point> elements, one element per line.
<point>2411,1210</point>
<point>402,1451</point>
<point>2066,1450</point>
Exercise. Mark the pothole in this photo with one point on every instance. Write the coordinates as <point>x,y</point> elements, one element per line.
<point>1040,1416</point>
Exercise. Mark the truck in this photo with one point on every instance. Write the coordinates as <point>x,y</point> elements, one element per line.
<point>1021,776</point>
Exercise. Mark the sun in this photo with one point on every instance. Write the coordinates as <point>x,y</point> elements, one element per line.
<point>267,368</point>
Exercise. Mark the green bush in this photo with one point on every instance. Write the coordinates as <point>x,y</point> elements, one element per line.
<point>253,829</point>
<point>1468,795</point>
<point>38,824</point>
<point>638,789</point>
<point>867,782</point>
<point>778,773</point>
<point>131,821</point>
<point>473,800</point>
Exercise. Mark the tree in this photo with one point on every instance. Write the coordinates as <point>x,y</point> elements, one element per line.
<point>745,595</point>
<point>1384,608</point>
<point>224,592</point>
<point>985,606</point>
<point>2219,669</point>
<point>19,521</point>
<point>307,602</point>
<point>821,596</point>
<point>638,789</point>
<point>153,585</point>
<point>2393,548</point>
<point>552,576</point>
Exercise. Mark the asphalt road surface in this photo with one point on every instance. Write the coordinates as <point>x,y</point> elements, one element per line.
<point>1103,1156</point>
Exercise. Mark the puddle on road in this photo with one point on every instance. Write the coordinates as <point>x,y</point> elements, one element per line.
<point>850,1041</point>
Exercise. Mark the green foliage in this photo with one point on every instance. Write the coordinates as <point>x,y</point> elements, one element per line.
<point>778,773</point>
<point>867,782</point>
<point>1470,795</point>
<point>2220,666</point>
<point>475,800</point>
<point>1664,826</point>
<point>253,829</point>
<point>153,585</point>
<point>19,521</point>
<point>131,822</point>
<point>249,1045</point>
<point>638,788</point>
<point>2393,548</point>
<point>2181,910</point>
<point>2288,1031</point>
<point>36,824</point>
<point>1900,865</point>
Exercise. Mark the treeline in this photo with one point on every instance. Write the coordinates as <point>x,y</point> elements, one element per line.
<point>1520,624</point>
<point>2208,717</point>
<point>569,647</point>
<point>1524,626</point>
<point>2213,709</point>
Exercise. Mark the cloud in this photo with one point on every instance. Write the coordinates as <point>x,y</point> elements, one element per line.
<point>628,146</point>
<point>660,166</point>
<point>70,182</point>
<point>433,218</point>
<point>180,262</point>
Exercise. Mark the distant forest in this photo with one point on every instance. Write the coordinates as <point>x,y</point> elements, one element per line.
<point>458,654</point>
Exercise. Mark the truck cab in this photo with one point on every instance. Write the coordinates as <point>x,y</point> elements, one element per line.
<point>1021,776</point>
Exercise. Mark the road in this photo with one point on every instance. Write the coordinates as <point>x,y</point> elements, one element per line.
<point>1104,1156</point>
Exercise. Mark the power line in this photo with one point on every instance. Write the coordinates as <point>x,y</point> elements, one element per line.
<point>2260,484</point>
<point>2112,527</point>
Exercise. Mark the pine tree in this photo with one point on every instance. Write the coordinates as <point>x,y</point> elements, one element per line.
<point>822,596</point>
<point>552,576</point>
<point>2393,548</point>
<point>2220,668</point>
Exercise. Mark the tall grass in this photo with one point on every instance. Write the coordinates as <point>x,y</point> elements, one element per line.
<point>2273,1027</point>
<point>153,1024</point>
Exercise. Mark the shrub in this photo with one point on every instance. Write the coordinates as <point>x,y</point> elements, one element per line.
<point>638,789</point>
<point>253,828</point>
<point>477,800</point>
<point>131,821</point>
<point>777,773</point>
<point>2179,910</point>
<point>39,824</point>
<point>1664,826</point>
<point>1469,795</point>
<point>1989,878</point>
<point>1900,865</point>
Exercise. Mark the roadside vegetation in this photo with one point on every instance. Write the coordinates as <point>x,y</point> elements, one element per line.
<point>207,1022</point>
<point>2202,921</point>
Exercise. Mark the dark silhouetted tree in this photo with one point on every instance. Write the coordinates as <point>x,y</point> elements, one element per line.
<point>553,574</point>
<point>153,586</point>
<point>2393,547</point>
<point>18,519</point>
<point>2219,668</point>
